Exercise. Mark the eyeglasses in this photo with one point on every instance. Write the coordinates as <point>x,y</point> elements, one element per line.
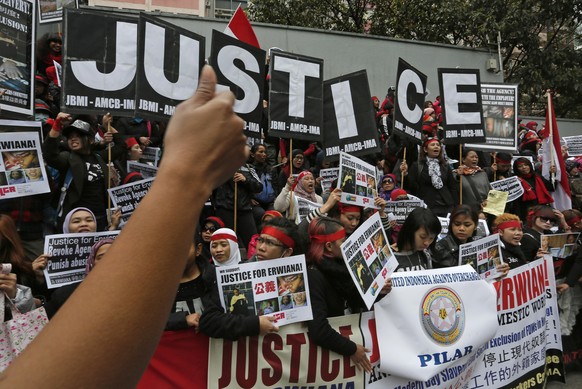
<point>209,229</point>
<point>547,220</point>
<point>388,181</point>
<point>268,242</point>
<point>298,157</point>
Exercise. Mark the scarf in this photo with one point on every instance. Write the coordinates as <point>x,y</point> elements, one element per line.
<point>540,193</point>
<point>434,172</point>
<point>231,238</point>
<point>300,191</point>
<point>470,171</point>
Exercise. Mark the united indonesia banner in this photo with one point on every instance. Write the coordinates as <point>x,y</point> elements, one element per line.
<point>484,255</point>
<point>17,40</point>
<point>357,180</point>
<point>461,103</point>
<point>276,288</point>
<point>68,254</point>
<point>240,68</point>
<point>348,116</point>
<point>22,171</point>
<point>500,114</point>
<point>408,111</point>
<point>99,64</point>
<point>296,96</point>
<point>369,258</point>
<point>172,59</point>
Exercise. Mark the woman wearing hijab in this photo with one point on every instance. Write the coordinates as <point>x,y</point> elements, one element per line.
<point>224,248</point>
<point>303,188</point>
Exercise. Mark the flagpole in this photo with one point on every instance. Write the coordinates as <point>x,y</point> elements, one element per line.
<point>495,171</point>
<point>235,204</point>
<point>291,175</point>
<point>551,136</point>
<point>110,216</point>
<point>403,160</point>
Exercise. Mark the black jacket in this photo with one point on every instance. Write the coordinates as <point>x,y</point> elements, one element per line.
<point>419,183</point>
<point>223,196</point>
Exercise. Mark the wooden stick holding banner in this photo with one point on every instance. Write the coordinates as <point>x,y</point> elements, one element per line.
<point>235,203</point>
<point>402,176</point>
<point>495,162</point>
<point>109,215</point>
<point>291,208</point>
<point>460,174</point>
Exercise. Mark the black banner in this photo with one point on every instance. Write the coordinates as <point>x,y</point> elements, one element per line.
<point>100,63</point>
<point>462,107</point>
<point>172,59</point>
<point>409,102</point>
<point>240,67</point>
<point>17,58</point>
<point>349,124</point>
<point>296,96</point>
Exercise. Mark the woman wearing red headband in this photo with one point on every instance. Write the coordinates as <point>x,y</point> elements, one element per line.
<point>303,187</point>
<point>510,233</point>
<point>536,188</point>
<point>278,239</point>
<point>332,289</point>
<point>431,178</point>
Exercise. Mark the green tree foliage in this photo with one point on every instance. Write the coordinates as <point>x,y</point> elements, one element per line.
<point>538,37</point>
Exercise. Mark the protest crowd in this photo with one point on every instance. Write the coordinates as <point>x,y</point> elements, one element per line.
<point>287,199</point>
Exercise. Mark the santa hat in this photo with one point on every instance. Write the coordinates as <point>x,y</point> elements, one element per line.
<point>397,193</point>
<point>130,142</point>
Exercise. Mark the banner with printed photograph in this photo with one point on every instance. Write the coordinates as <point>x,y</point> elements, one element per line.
<point>357,180</point>
<point>303,208</point>
<point>559,246</point>
<point>445,318</point>
<point>276,288</point>
<point>511,185</point>
<point>127,197</point>
<point>484,255</point>
<point>17,57</point>
<point>574,144</point>
<point>328,175</point>
<point>22,171</point>
<point>525,351</point>
<point>295,96</point>
<point>369,257</point>
<point>401,209</point>
<point>500,115</point>
<point>50,11</point>
<point>68,254</point>
<point>146,171</point>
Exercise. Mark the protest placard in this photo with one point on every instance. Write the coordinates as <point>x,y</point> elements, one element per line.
<point>22,171</point>
<point>303,208</point>
<point>240,68</point>
<point>559,245</point>
<point>484,255</point>
<point>409,103</point>
<point>499,112</point>
<point>17,58</point>
<point>151,155</point>
<point>169,60</point>
<point>400,209</point>
<point>296,96</point>
<point>369,258</point>
<point>444,227</point>
<point>348,116</point>
<point>328,176</point>
<point>127,197</point>
<point>276,288</point>
<point>357,180</point>
<point>495,202</point>
<point>516,356</point>
<point>50,11</point>
<point>146,171</point>
<point>511,185</point>
<point>574,144</point>
<point>462,114</point>
<point>67,256</point>
<point>445,318</point>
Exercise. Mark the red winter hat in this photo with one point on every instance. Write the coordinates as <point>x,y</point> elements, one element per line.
<point>397,193</point>
<point>532,125</point>
<point>130,142</point>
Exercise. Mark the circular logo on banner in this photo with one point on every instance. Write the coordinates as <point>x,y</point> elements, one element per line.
<point>442,315</point>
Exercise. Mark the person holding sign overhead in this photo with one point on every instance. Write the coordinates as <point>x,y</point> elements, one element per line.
<point>303,187</point>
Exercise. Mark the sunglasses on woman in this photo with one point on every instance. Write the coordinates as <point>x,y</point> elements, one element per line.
<point>388,181</point>
<point>209,229</point>
<point>547,220</point>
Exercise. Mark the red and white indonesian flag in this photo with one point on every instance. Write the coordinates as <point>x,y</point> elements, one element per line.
<point>552,156</point>
<point>240,28</point>
<point>435,320</point>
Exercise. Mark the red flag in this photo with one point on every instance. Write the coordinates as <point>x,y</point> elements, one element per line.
<point>552,156</point>
<point>240,28</point>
